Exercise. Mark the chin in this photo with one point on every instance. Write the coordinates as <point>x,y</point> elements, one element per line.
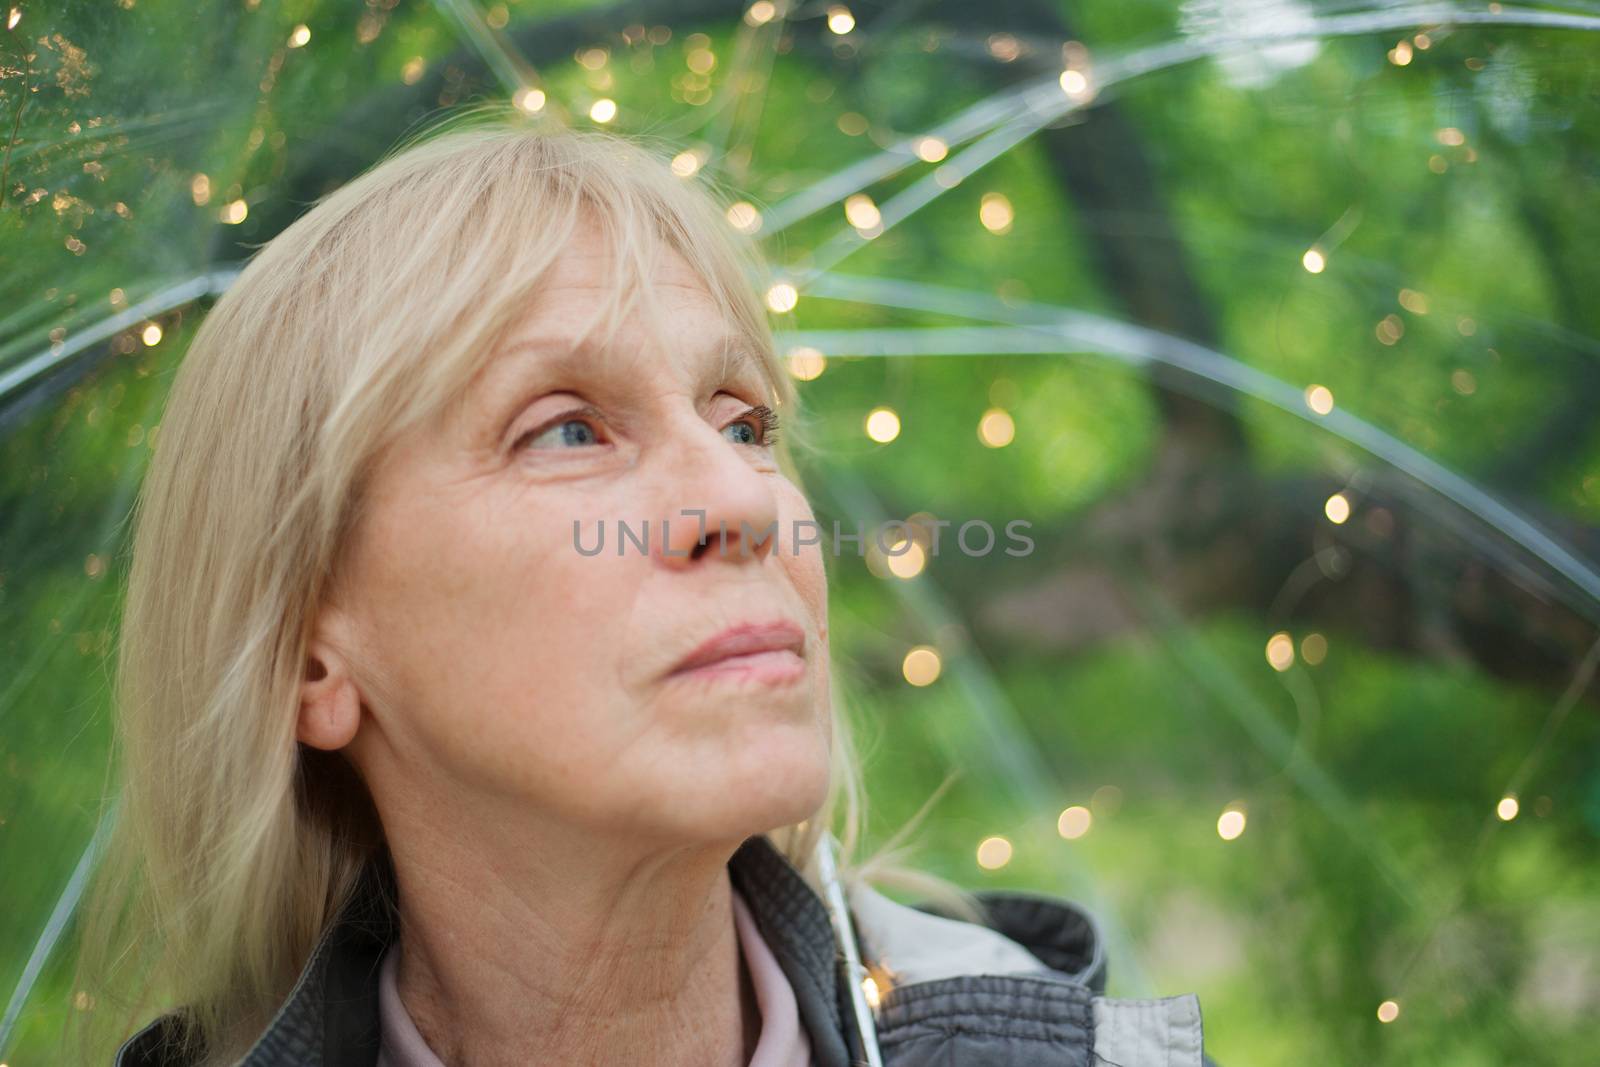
<point>775,783</point>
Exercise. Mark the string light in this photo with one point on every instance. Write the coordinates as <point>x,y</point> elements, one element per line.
<point>1280,651</point>
<point>782,297</point>
<point>1319,398</point>
<point>300,36</point>
<point>806,363</point>
<point>883,425</point>
<point>1507,808</point>
<point>931,149</point>
<point>1313,649</point>
<point>530,101</point>
<point>235,212</point>
<point>761,12</point>
<point>994,211</point>
<point>996,429</point>
<point>921,666</point>
<point>1400,54</point>
<point>1337,509</point>
<point>840,21</point>
<point>861,212</point>
<point>1004,47</point>
<point>1074,822</point>
<point>151,335</point>
<point>1105,800</point>
<point>1230,824</point>
<point>906,562</point>
<point>1314,261</point>
<point>994,853</point>
<point>744,217</point>
<point>603,110</point>
<point>1074,79</point>
<point>1388,1011</point>
<point>1075,83</point>
<point>882,981</point>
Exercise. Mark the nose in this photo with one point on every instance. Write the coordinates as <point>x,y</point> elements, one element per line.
<point>718,506</point>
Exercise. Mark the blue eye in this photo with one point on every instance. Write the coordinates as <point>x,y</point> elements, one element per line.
<point>760,426</point>
<point>571,432</point>
<point>575,429</point>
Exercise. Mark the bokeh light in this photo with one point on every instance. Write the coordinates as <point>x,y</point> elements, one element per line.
<point>921,666</point>
<point>994,853</point>
<point>883,425</point>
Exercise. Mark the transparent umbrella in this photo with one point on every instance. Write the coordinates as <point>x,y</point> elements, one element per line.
<point>1213,384</point>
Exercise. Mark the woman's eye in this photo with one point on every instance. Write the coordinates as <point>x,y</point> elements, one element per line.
<point>758,426</point>
<point>576,429</point>
<point>571,431</point>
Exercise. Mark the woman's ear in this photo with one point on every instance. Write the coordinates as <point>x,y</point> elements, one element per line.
<point>330,703</point>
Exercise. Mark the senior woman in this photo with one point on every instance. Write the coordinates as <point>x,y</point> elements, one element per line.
<point>411,778</point>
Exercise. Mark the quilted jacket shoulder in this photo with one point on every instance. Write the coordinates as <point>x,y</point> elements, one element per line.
<point>1026,987</point>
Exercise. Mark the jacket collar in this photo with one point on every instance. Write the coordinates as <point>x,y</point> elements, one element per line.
<point>330,1017</point>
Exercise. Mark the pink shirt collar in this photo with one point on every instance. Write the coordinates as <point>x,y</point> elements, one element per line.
<point>783,1041</point>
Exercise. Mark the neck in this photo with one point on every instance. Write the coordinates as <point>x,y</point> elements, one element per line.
<point>572,950</point>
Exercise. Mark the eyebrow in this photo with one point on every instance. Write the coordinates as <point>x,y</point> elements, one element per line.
<point>509,383</point>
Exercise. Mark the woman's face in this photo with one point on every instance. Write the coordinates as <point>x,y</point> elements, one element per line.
<point>497,663</point>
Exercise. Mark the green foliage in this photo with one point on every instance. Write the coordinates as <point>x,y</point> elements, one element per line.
<point>1120,666</point>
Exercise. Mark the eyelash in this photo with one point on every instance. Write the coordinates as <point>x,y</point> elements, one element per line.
<point>763,415</point>
<point>768,420</point>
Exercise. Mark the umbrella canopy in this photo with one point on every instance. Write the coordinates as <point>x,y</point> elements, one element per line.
<point>1264,318</point>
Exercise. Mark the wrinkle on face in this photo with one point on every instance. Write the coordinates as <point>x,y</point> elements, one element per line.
<point>522,664</point>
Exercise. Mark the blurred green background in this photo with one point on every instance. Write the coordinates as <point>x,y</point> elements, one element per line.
<point>1275,319</point>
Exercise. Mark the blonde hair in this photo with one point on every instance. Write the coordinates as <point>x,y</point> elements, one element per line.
<point>233,847</point>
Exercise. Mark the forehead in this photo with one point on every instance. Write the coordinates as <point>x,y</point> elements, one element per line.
<point>558,355</point>
<point>585,285</point>
<point>679,331</point>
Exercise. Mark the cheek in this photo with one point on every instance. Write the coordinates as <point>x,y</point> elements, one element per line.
<point>804,563</point>
<point>493,629</point>
<point>807,572</point>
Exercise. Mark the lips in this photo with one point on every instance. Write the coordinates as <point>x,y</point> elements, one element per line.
<point>746,643</point>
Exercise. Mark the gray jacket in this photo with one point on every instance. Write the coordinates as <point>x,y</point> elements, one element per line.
<point>1024,990</point>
